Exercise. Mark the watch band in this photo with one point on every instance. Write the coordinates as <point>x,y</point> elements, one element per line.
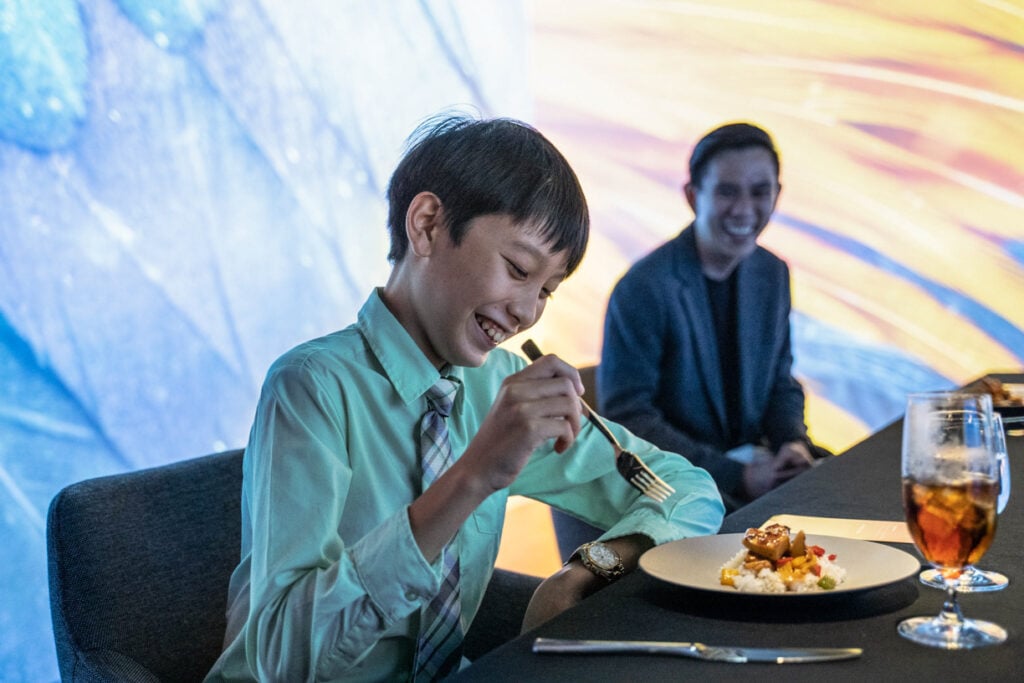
<point>601,559</point>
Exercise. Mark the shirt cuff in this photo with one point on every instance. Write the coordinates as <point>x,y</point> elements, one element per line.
<point>396,576</point>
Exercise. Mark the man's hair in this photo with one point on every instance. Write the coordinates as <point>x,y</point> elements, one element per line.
<point>495,166</point>
<point>728,137</point>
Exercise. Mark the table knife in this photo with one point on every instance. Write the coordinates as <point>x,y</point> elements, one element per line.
<point>737,655</point>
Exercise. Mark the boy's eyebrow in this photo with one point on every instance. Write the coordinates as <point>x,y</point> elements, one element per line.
<point>537,253</point>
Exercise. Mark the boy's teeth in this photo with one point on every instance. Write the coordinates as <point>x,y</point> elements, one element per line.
<point>496,335</point>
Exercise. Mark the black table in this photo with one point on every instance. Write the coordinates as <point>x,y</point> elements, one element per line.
<point>862,483</point>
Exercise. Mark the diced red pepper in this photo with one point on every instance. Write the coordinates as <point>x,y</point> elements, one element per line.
<point>817,550</point>
<point>832,557</point>
<point>784,560</point>
<point>816,570</point>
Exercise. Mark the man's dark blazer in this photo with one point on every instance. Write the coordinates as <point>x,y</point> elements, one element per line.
<point>660,374</point>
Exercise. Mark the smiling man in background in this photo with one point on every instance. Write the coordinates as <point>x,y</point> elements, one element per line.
<point>696,354</point>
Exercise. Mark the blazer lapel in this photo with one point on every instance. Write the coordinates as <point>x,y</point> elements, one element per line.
<point>695,301</point>
<point>750,322</point>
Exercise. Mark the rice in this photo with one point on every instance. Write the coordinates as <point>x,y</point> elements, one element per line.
<point>768,581</point>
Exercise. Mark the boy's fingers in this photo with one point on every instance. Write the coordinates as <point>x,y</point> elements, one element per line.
<point>553,366</point>
<point>562,443</point>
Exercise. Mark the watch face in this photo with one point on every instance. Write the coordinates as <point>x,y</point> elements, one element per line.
<point>603,556</point>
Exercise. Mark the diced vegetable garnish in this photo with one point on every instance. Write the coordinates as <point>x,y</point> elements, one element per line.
<point>771,556</point>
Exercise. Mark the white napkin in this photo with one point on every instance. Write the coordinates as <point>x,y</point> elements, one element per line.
<point>861,529</point>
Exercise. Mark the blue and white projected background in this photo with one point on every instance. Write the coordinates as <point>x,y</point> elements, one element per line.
<point>189,187</point>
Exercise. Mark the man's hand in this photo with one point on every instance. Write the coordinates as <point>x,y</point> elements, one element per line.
<point>765,473</point>
<point>795,454</point>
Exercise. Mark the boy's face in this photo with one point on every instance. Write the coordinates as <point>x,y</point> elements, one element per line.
<point>470,298</point>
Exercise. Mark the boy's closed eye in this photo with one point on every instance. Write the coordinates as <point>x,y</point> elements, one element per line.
<point>520,274</point>
<point>516,271</point>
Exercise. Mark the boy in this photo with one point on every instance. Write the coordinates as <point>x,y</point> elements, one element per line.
<point>346,549</point>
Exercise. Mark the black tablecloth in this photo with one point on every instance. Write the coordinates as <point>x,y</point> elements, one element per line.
<point>862,483</point>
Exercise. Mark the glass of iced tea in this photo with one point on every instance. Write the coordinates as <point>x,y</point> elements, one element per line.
<point>973,579</point>
<point>950,471</point>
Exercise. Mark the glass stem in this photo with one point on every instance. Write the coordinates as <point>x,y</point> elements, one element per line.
<point>951,614</point>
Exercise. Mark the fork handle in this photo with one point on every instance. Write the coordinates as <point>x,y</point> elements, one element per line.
<point>533,352</point>
<point>601,426</point>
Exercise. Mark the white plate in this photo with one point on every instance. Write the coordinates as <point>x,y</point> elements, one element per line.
<point>695,563</point>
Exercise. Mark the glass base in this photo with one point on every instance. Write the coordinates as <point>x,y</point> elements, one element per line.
<point>938,632</point>
<point>972,580</point>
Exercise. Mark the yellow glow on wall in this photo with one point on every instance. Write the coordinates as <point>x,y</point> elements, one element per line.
<point>900,126</point>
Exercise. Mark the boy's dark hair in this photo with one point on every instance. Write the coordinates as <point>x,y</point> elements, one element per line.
<point>495,166</point>
<point>728,137</point>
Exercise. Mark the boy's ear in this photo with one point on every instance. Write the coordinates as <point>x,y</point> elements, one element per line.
<point>424,221</point>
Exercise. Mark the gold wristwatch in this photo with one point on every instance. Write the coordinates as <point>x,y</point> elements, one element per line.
<point>600,559</point>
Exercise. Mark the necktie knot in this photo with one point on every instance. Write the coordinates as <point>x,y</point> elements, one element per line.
<point>441,396</point>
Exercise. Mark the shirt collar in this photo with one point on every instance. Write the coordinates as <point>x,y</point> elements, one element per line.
<point>403,362</point>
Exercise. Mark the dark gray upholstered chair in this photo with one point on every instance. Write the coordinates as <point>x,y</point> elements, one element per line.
<point>139,566</point>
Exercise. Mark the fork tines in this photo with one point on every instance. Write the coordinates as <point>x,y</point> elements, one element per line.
<point>636,472</point>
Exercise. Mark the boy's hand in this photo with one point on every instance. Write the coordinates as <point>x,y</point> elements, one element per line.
<point>538,403</point>
<point>573,582</point>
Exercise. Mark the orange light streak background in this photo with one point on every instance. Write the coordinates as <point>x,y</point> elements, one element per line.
<point>901,129</point>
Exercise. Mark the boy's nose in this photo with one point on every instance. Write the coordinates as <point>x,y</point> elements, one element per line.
<point>524,310</point>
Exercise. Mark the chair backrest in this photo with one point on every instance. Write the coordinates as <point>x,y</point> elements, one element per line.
<point>139,565</point>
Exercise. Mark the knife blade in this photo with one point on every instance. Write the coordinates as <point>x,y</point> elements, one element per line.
<point>735,655</point>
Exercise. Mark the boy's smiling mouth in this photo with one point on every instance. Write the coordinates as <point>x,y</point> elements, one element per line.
<point>492,330</point>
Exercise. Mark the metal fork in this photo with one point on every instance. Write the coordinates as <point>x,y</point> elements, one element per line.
<point>629,464</point>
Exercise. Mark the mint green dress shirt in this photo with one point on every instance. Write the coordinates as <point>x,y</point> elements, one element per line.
<point>331,580</point>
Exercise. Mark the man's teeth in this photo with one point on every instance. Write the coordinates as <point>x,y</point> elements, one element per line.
<point>496,334</point>
<point>740,230</point>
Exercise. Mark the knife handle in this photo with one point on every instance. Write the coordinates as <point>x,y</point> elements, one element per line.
<point>737,655</point>
<point>566,646</point>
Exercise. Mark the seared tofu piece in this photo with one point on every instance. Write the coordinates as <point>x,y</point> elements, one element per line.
<point>770,543</point>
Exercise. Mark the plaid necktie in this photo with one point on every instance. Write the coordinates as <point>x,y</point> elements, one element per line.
<point>439,650</point>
